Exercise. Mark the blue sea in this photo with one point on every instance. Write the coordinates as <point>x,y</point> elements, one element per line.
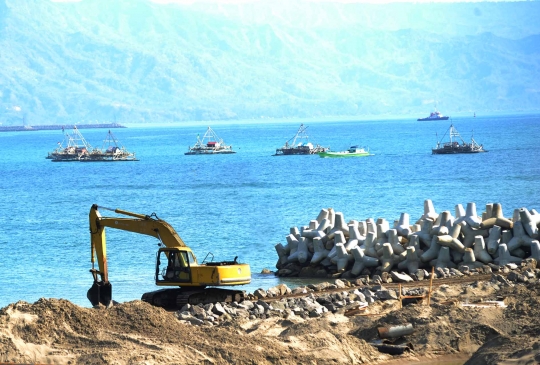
<point>241,204</point>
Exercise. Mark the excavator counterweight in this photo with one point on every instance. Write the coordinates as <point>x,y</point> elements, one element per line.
<point>176,265</point>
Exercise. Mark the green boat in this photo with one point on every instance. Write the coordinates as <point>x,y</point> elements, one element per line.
<point>353,151</point>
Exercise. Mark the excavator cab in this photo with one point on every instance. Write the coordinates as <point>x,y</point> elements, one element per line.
<point>173,266</point>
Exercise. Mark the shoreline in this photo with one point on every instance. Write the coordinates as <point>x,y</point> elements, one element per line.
<point>29,128</point>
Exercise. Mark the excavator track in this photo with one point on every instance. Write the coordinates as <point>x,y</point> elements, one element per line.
<point>175,299</point>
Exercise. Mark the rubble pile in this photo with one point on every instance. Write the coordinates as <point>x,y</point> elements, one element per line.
<point>314,300</point>
<point>454,245</point>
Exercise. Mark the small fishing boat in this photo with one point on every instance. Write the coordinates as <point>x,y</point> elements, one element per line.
<point>436,115</point>
<point>75,146</point>
<point>78,149</point>
<point>210,144</point>
<point>299,145</point>
<point>453,146</point>
<point>111,151</point>
<point>353,151</point>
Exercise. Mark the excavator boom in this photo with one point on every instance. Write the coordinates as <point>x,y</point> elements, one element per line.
<point>176,264</point>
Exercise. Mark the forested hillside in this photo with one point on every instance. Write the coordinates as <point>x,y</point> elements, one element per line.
<point>144,62</point>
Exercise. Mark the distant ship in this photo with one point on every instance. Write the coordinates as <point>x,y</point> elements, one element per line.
<point>78,149</point>
<point>436,115</point>
<point>453,146</point>
<point>210,144</point>
<point>295,146</point>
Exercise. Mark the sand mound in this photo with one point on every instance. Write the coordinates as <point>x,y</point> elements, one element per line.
<point>59,332</point>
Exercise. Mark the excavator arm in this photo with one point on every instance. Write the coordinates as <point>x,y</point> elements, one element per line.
<point>101,290</point>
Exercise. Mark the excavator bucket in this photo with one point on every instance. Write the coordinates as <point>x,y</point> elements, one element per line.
<point>100,292</point>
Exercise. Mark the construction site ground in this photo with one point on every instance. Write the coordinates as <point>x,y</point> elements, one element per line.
<point>458,326</point>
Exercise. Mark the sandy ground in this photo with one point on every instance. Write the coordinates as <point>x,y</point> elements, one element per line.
<point>55,331</point>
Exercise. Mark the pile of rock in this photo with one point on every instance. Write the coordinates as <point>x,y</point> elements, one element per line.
<point>315,303</point>
<point>315,300</point>
<point>454,245</point>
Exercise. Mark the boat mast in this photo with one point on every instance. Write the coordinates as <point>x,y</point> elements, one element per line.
<point>300,134</point>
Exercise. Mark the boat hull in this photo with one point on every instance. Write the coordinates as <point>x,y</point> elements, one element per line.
<point>209,152</point>
<point>429,119</point>
<point>299,151</point>
<point>343,154</point>
<point>446,151</point>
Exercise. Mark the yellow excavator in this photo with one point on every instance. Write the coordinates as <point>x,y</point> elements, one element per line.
<point>176,265</point>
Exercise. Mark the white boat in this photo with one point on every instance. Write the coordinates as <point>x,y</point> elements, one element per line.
<point>436,115</point>
<point>209,144</point>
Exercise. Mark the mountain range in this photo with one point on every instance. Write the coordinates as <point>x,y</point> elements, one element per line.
<point>138,61</point>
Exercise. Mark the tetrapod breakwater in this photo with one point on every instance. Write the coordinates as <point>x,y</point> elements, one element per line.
<point>453,245</point>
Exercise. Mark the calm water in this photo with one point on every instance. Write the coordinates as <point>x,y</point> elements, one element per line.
<point>240,204</point>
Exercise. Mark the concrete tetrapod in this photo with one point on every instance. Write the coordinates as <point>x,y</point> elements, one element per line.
<point>354,237</point>
<point>293,248</point>
<point>423,234</point>
<point>394,241</point>
<point>471,217</point>
<point>429,211</point>
<point>443,259</point>
<point>342,257</point>
<point>371,226</point>
<point>470,260</point>
<point>499,221</point>
<point>362,261</point>
<point>370,245</point>
<point>535,250</point>
<point>381,236</point>
<point>411,262</point>
<point>283,253</point>
<point>480,251</point>
<point>520,238</point>
<point>442,227</point>
<point>403,227</point>
<point>432,252</point>
<point>505,257</point>
<point>303,254</point>
<point>488,212</point>
<point>494,239</point>
<point>323,214</point>
<point>506,236</point>
<point>388,260</point>
<point>331,216</point>
<point>529,222</point>
<point>320,252</point>
<point>339,226</point>
<point>338,238</point>
<point>450,242</point>
<point>414,241</point>
<point>362,228</point>
<point>324,225</point>
<point>460,214</point>
<point>310,233</point>
<point>469,234</point>
<point>295,232</point>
